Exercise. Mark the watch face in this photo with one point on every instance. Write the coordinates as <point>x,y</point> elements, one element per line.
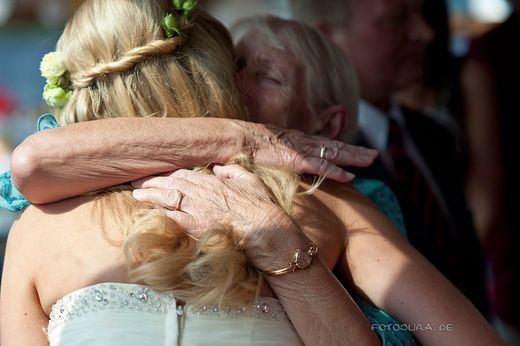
<point>303,260</point>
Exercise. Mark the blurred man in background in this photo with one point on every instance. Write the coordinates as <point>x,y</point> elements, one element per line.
<point>386,42</point>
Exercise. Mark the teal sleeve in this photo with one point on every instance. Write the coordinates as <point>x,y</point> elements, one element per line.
<point>10,198</point>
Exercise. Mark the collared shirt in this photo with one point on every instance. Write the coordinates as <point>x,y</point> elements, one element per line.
<point>374,124</point>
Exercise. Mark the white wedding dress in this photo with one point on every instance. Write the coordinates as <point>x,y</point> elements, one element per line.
<point>119,314</point>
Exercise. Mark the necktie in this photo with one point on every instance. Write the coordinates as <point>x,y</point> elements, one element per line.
<point>416,188</point>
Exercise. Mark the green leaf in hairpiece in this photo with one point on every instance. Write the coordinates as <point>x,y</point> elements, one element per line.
<point>188,7</point>
<point>177,4</point>
<point>170,24</point>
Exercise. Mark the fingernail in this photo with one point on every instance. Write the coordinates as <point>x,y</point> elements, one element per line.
<point>138,194</point>
<point>373,152</point>
<point>350,176</point>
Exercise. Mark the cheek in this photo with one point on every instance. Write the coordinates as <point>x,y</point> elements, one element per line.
<point>378,45</point>
<point>300,117</point>
<point>269,108</point>
<point>258,105</point>
<point>384,54</point>
<point>379,62</point>
<point>298,112</point>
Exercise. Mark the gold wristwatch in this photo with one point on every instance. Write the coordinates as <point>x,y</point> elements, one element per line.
<point>301,260</point>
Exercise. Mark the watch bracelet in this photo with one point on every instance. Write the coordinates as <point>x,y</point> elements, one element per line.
<point>293,265</point>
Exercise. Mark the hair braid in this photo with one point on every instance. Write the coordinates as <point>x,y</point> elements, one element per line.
<point>128,60</point>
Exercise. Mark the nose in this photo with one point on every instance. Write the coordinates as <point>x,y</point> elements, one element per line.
<point>420,30</point>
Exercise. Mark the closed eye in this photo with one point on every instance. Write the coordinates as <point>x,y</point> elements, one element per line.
<point>266,77</point>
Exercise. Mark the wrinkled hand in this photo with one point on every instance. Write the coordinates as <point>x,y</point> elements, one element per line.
<point>302,152</point>
<point>195,200</point>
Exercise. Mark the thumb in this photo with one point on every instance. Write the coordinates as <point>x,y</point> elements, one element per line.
<point>232,171</point>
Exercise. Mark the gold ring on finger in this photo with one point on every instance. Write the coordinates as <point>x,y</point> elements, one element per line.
<point>323,151</point>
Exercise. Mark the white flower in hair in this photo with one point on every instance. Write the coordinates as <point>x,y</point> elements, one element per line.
<point>52,66</point>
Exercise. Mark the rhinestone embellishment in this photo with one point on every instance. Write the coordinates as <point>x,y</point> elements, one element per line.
<point>264,308</point>
<point>122,296</point>
<point>108,296</point>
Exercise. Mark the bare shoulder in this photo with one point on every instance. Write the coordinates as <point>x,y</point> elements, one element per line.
<point>341,196</point>
<point>36,221</point>
<point>360,218</point>
<point>342,205</point>
<point>64,239</point>
<point>354,209</point>
<point>30,256</point>
<point>22,243</point>
<point>336,216</point>
<point>40,229</point>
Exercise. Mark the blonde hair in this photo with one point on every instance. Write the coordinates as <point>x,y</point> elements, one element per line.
<point>210,270</point>
<point>121,65</point>
<point>330,78</point>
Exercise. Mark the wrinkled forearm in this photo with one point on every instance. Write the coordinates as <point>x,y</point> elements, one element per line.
<point>321,310</point>
<point>68,161</point>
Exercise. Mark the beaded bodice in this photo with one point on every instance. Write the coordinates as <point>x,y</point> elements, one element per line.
<point>109,296</point>
<point>156,315</point>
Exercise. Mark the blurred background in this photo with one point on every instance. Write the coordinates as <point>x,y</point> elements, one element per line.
<point>30,28</point>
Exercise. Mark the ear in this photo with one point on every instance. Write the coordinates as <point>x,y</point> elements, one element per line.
<point>333,121</point>
<point>323,26</point>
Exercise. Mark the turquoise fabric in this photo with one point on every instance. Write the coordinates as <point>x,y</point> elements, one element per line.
<point>47,121</point>
<point>390,331</point>
<point>382,196</point>
<point>10,198</point>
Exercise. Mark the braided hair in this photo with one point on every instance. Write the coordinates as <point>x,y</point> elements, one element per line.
<point>121,64</point>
